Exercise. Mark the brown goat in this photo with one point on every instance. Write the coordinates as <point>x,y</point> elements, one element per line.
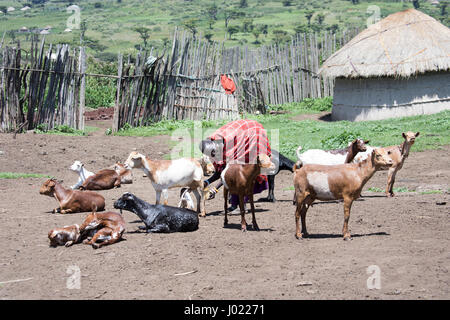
<point>125,173</point>
<point>399,155</point>
<point>103,180</point>
<point>72,200</point>
<point>65,236</point>
<point>240,180</point>
<point>334,182</point>
<point>109,228</point>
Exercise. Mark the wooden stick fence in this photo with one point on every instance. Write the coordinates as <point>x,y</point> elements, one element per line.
<point>45,87</point>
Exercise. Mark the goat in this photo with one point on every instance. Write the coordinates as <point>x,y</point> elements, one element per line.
<point>102,180</point>
<point>398,153</point>
<point>107,228</point>
<point>72,200</point>
<point>79,168</point>
<point>166,174</point>
<point>66,236</point>
<point>239,179</point>
<point>159,218</point>
<point>332,157</point>
<point>125,173</point>
<point>333,182</point>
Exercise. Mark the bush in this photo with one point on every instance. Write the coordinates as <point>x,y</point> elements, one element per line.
<point>339,141</point>
<point>100,92</point>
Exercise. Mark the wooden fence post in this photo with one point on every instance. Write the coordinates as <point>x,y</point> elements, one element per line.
<point>82,66</point>
<point>119,85</point>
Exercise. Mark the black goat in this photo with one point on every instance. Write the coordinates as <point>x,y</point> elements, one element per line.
<point>159,218</point>
<point>281,163</point>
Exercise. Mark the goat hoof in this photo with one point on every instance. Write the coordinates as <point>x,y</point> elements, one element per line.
<point>255,227</point>
<point>96,245</point>
<point>348,238</point>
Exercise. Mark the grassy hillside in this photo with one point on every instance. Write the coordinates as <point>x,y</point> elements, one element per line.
<point>111,25</point>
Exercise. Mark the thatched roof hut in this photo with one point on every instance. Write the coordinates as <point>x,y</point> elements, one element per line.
<point>398,66</point>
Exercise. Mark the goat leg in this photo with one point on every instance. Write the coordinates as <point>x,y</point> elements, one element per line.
<point>242,209</point>
<point>252,207</point>
<point>390,184</point>
<point>347,206</point>
<point>225,201</point>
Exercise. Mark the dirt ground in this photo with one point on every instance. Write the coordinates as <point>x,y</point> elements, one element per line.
<point>406,237</point>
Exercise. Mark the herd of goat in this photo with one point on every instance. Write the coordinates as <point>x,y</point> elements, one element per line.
<point>317,175</point>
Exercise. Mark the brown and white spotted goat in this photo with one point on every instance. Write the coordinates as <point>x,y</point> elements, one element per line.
<point>334,182</point>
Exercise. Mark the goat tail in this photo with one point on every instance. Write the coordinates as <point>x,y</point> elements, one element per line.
<point>298,152</point>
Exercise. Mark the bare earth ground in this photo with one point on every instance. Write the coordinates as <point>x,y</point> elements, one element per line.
<point>407,237</point>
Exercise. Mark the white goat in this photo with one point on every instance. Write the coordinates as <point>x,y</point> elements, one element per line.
<point>332,157</point>
<point>167,174</point>
<point>79,168</point>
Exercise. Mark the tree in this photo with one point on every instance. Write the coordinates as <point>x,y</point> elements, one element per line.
<point>243,4</point>
<point>232,30</point>
<point>301,28</point>
<point>280,36</point>
<point>319,18</point>
<point>231,14</point>
<point>208,36</point>
<point>247,25</point>
<point>308,15</point>
<point>144,33</point>
<point>191,25</point>
<point>333,28</point>
<point>443,6</point>
<point>416,4</point>
<point>256,32</point>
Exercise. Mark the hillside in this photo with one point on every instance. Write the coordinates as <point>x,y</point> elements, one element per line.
<point>113,26</point>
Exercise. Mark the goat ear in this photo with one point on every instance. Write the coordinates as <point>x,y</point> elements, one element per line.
<point>417,134</point>
<point>404,135</point>
<point>366,141</point>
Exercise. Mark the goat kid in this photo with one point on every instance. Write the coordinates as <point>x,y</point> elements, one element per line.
<point>72,200</point>
<point>102,180</point>
<point>125,173</point>
<point>66,236</point>
<point>83,174</point>
<point>240,180</point>
<point>158,218</point>
<point>332,157</point>
<point>107,228</point>
<point>167,174</point>
<point>333,182</point>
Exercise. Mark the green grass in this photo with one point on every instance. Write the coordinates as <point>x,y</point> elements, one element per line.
<point>432,192</point>
<point>65,130</point>
<point>310,134</point>
<point>18,175</point>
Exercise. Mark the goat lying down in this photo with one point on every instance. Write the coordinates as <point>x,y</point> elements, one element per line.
<point>83,173</point>
<point>71,201</point>
<point>158,218</point>
<point>102,228</point>
<point>332,157</point>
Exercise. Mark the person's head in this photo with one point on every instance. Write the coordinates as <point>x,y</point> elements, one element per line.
<point>211,148</point>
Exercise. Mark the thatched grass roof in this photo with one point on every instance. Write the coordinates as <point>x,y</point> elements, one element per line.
<point>401,45</point>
